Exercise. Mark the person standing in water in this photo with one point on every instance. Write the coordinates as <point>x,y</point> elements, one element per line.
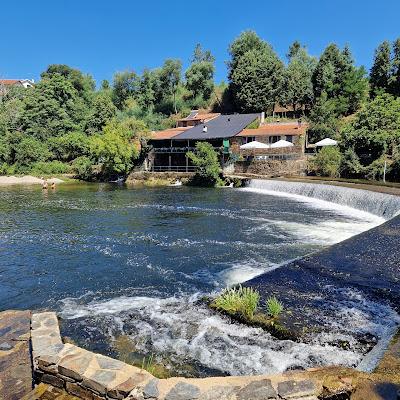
<point>44,184</point>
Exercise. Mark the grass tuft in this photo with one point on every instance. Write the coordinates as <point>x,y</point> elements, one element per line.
<point>148,364</point>
<point>274,307</point>
<point>239,299</point>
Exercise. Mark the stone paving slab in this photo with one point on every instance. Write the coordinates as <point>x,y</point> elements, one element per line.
<point>45,332</point>
<point>15,359</point>
<point>84,371</point>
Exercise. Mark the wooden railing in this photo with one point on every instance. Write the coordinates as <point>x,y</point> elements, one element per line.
<point>173,168</point>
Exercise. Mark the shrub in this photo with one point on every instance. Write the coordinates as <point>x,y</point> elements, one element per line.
<point>69,146</point>
<point>30,150</point>
<point>83,168</point>
<point>205,158</point>
<point>326,162</point>
<point>51,167</point>
<point>274,307</point>
<point>351,165</point>
<point>375,170</point>
<point>241,300</point>
<point>6,169</point>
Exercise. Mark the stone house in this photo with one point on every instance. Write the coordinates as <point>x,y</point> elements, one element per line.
<point>226,133</point>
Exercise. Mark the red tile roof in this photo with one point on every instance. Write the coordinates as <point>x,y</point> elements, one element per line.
<point>9,82</point>
<point>201,117</point>
<point>168,133</point>
<point>276,129</point>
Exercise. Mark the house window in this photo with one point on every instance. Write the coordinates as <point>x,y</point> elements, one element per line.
<point>251,139</point>
<point>274,139</point>
<point>289,138</point>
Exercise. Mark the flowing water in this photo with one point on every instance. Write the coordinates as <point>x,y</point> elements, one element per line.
<point>125,269</point>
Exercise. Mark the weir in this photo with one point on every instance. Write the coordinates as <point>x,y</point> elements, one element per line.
<point>381,204</point>
<point>332,279</point>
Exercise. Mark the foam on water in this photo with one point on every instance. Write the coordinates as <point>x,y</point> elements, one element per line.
<point>187,331</point>
<point>361,202</point>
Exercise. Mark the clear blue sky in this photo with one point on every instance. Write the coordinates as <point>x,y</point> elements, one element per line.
<point>101,37</point>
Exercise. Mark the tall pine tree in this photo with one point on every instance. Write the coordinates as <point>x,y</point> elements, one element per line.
<point>381,69</point>
<point>395,73</point>
<point>256,73</point>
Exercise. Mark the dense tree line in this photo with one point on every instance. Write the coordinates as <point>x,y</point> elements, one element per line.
<point>65,124</point>
<point>337,98</point>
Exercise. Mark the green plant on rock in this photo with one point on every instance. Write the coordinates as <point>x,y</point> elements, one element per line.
<point>148,364</point>
<point>239,299</point>
<point>274,307</point>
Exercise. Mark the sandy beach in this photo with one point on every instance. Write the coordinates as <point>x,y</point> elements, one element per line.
<point>26,180</point>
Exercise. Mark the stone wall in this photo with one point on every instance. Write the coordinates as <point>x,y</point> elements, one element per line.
<point>272,167</point>
<point>161,177</point>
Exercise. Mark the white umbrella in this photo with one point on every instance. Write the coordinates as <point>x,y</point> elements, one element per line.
<point>281,143</point>
<point>326,142</point>
<point>254,145</point>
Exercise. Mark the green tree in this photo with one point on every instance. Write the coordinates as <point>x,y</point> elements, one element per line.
<point>294,49</point>
<point>30,150</point>
<point>147,93</point>
<point>118,146</point>
<point>205,158</point>
<point>245,42</point>
<point>5,149</point>
<point>337,77</point>
<point>125,85</point>
<point>354,93</point>
<point>375,130</point>
<point>351,166</point>
<point>200,75</point>
<point>326,162</point>
<point>170,77</point>
<point>200,55</point>
<point>83,168</point>
<point>102,110</point>
<point>105,84</point>
<point>113,150</point>
<point>331,71</point>
<point>395,72</point>
<point>83,84</point>
<point>257,80</point>
<point>11,108</point>
<point>380,71</point>
<point>52,108</point>
<point>323,120</point>
<point>297,88</point>
<point>69,146</point>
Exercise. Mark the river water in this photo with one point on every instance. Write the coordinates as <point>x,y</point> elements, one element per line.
<point>125,269</point>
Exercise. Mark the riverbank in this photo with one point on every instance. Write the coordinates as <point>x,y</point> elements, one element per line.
<point>32,180</point>
<point>154,179</point>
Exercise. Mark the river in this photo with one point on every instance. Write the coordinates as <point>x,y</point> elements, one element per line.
<point>125,269</point>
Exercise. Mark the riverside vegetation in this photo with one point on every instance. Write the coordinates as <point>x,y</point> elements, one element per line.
<point>242,305</point>
<point>64,124</point>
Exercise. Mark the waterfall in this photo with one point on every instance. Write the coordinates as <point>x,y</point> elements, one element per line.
<point>380,204</point>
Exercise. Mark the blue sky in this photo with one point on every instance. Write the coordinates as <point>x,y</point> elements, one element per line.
<point>101,37</point>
